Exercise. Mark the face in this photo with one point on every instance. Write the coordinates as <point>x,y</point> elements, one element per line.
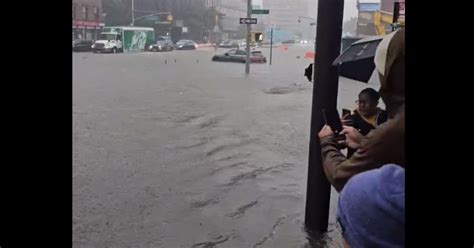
<point>366,105</point>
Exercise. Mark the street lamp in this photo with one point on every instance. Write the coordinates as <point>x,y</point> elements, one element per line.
<point>169,17</point>
<point>133,13</point>
<point>312,23</point>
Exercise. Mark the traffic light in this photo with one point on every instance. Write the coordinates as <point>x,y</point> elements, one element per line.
<point>258,36</point>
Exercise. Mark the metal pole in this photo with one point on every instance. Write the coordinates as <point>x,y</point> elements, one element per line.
<point>396,13</point>
<point>271,45</point>
<point>133,13</point>
<point>328,45</point>
<point>247,58</point>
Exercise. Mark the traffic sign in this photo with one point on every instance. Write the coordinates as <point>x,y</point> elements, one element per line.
<point>248,21</point>
<point>261,11</point>
<point>152,18</point>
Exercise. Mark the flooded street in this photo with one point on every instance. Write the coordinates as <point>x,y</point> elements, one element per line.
<point>174,150</point>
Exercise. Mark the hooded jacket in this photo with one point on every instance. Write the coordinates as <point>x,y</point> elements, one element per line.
<point>386,143</point>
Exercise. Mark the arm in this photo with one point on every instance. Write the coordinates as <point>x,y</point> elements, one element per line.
<point>385,144</point>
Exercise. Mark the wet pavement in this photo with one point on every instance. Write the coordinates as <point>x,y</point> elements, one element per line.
<point>173,150</point>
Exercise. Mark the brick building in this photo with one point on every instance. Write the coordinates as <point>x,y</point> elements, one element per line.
<point>87,19</point>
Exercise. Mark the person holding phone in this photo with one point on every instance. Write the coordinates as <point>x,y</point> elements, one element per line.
<point>386,143</point>
<point>367,116</point>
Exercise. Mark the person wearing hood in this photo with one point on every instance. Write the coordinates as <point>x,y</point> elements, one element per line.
<point>371,209</point>
<point>386,143</point>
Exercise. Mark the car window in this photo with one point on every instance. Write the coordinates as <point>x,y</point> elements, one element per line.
<point>241,52</point>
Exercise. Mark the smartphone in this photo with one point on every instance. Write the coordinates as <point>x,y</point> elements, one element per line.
<point>332,119</point>
<point>346,112</point>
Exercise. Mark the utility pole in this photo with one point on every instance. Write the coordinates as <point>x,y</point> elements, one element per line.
<point>328,47</point>
<point>133,13</point>
<point>247,58</point>
<point>271,45</point>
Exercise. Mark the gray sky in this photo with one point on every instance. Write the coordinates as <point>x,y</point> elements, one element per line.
<point>350,8</point>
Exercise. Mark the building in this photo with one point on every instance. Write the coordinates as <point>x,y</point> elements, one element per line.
<point>231,11</point>
<point>365,19</point>
<point>286,15</point>
<point>87,19</point>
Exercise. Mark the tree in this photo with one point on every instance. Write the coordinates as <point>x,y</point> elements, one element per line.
<point>118,12</point>
<point>200,20</point>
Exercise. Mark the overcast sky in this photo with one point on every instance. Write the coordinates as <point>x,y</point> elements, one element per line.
<point>350,8</point>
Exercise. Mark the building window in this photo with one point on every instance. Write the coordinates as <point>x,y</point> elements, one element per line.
<point>96,14</point>
<point>84,12</point>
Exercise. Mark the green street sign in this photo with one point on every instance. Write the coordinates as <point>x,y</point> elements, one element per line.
<point>153,18</point>
<point>261,11</point>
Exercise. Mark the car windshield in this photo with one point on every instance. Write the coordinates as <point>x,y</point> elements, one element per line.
<point>107,37</point>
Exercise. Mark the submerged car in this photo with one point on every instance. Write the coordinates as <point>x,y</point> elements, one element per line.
<point>162,44</point>
<point>82,45</point>
<point>236,55</point>
<point>186,45</point>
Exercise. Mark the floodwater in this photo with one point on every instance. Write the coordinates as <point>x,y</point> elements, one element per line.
<point>173,150</point>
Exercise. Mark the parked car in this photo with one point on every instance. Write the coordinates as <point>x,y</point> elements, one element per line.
<point>267,44</point>
<point>288,42</point>
<point>225,44</point>
<point>237,44</point>
<point>162,44</point>
<point>82,45</point>
<point>186,45</point>
<point>237,55</point>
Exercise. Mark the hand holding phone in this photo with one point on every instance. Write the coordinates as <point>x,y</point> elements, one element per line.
<point>346,119</point>
<point>346,112</point>
<point>332,119</point>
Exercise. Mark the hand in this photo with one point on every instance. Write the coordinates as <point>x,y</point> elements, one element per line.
<point>346,120</point>
<point>353,137</point>
<point>325,131</point>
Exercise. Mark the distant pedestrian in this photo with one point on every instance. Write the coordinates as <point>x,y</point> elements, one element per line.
<point>308,72</point>
<point>371,209</point>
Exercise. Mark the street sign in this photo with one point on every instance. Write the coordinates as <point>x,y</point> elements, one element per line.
<point>248,21</point>
<point>261,11</point>
<point>152,18</point>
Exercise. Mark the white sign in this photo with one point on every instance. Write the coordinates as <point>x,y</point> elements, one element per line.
<point>184,29</point>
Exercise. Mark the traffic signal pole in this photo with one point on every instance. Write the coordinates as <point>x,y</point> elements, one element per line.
<point>247,49</point>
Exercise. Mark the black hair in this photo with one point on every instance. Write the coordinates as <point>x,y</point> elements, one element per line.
<point>373,94</point>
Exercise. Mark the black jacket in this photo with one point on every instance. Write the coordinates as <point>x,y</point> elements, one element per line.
<point>364,127</point>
